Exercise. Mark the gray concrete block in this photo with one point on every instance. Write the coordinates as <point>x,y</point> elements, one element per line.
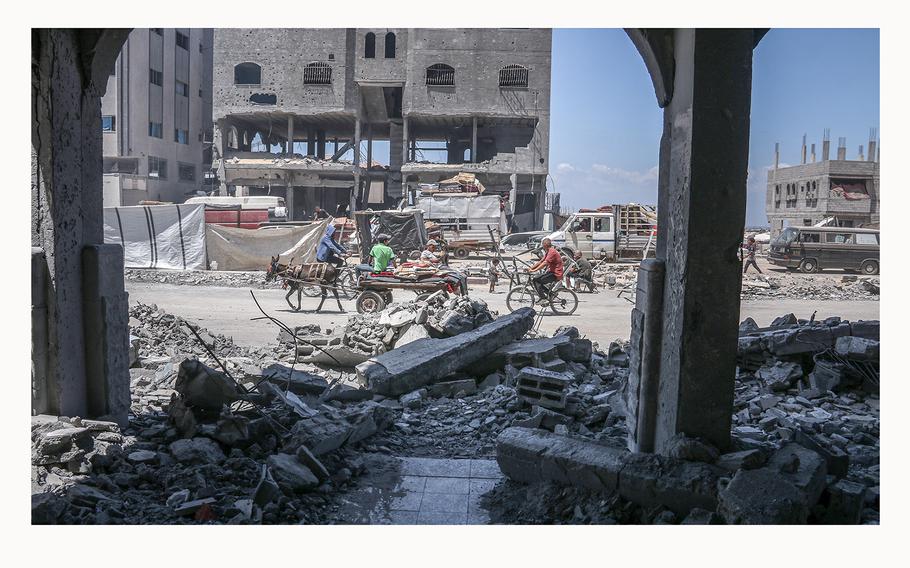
<point>761,497</point>
<point>802,467</point>
<point>426,361</point>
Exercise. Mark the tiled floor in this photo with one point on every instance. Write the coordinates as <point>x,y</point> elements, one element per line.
<point>443,492</point>
<point>428,491</point>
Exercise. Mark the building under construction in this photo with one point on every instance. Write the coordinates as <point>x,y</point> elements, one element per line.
<point>838,192</point>
<point>354,118</point>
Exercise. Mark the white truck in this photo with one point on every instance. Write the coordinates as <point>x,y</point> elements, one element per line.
<point>612,233</point>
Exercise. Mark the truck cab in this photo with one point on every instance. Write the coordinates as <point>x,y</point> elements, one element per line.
<point>591,233</point>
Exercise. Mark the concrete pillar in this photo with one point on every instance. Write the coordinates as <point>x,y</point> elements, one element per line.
<point>69,74</point>
<point>41,402</point>
<point>320,144</point>
<point>474,140</point>
<point>310,141</point>
<point>369,145</point>
<point>218,144</point>
<point>106,311</point>
<point>644,360</point>
<point>356,190</point>
<point>701,207</point>
<point>404,138</point>
<point>290,145</point>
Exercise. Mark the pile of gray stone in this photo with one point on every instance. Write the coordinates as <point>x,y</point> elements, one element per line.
<point>233,279</point>
<point>805,287</point>
<point>366,335</point>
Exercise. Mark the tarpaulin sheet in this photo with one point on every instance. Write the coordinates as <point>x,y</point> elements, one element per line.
<point>479,209</point>
<point>158,236</point>
<point>252,249</point>
<point>405,228</point>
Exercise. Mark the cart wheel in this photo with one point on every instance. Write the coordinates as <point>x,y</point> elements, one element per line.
<point>461,252</point>
<point>311,290</point>
<point>386,296</point>
<point>347,284</point>
<point>370,302</point>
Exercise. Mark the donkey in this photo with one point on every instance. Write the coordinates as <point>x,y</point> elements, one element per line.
<point>323,274</point>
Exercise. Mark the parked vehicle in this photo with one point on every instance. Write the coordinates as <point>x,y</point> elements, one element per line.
<point>625,231</point>
<point>249,212</point>
<point>519,240</point>
<point>810,249</point>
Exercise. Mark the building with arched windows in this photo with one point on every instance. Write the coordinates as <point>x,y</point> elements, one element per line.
<point>840,192</point>
<point>364,117</point>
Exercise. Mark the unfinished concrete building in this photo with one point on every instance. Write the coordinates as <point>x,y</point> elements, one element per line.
<point>156,117</point>
<point>840,192</point>
<point>291,104</point>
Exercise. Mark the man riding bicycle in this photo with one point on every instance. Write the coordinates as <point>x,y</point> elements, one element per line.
<point>553,262</point>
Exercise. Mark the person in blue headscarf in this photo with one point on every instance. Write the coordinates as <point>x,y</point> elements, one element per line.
<point>329,250</point>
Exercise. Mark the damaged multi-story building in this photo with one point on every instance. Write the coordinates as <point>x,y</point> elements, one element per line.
<point>304,114</point>
<point>839,192</point>
<point>157,117</point>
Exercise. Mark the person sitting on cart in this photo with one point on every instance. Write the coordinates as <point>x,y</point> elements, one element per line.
<point>582,271</point>
<point>429,253</point>
<point>553,263</point>
<point>382,253</point>
<point>329,250</point>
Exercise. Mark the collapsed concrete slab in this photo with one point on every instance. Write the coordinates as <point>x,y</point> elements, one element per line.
<point>426,361</point>
<point>531,456</point>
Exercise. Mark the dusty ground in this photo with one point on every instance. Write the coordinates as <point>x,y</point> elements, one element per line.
<point>601,317</point>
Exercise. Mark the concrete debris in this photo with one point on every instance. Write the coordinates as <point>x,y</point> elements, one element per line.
<point>205,388</point>
<point>764,286</point>
<point>367,335</point>
<point>426,361</point>
<point>285,446</point>
<point>546,388</point>
<point>248,279</point>
<point>532,456</point>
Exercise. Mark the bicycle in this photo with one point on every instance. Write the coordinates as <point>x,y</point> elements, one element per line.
<point>560,299</point>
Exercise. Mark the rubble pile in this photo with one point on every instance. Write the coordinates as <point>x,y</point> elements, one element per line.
<point>770,285</point>
<point>365,335</point>
<point>252,279</point>
<point>463,415</point>
<point>816,384</point>
<point>810,287</point>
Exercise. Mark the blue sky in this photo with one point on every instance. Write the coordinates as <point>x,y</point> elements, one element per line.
<point>605,124</point>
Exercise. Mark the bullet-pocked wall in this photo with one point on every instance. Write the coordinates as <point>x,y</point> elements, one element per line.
<point>309,71</point>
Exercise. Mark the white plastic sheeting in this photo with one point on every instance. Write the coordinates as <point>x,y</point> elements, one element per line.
<point>158,236</point>
<point>251,249</point>
<point>479,212</point>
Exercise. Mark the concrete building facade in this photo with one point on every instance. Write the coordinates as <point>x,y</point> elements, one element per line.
<point>157,117</point>
<point>844,191</point>
<point>440,102</point>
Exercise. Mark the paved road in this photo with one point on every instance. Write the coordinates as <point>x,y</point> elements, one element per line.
<point>602,317</point>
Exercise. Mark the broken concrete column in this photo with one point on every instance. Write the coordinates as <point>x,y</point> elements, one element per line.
<point>644,359</point>
<point>701,212</point>
<point>531,456</point>
<point>106,307</point>
<point>426,361</point>
<point>70,70</point>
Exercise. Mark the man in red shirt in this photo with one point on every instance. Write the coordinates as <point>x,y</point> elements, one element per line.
<point>553,262</point>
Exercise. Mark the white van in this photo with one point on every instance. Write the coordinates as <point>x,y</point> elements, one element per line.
<point>598,234</point>
<point>591,233</point>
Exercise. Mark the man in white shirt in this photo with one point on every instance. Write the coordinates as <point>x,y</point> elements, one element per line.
<point>429,254</point>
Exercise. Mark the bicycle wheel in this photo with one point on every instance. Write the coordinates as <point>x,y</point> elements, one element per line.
<point>563,302</point>
<point>346,285</point>
<point>521,297</point>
